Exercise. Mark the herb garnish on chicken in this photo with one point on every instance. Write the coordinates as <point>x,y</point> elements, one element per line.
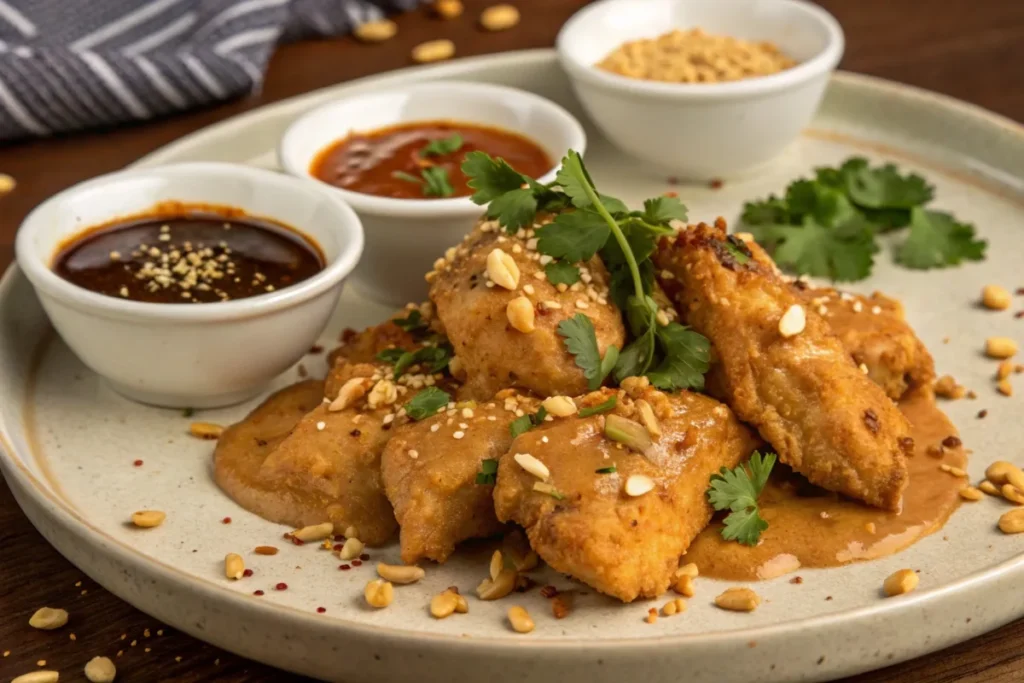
<point>671,355</point>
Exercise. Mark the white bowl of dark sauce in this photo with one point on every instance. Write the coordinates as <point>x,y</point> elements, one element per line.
<point>374,150</point>
<point>190,285</point>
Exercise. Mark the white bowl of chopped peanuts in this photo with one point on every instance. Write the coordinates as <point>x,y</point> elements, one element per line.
<point>701,89</point>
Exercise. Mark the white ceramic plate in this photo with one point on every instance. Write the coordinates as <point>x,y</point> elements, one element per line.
<point>70,443</point>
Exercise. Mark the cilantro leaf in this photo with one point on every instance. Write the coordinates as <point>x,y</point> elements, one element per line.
<point>490,177</point>
<point>562,273</point>
<point>614,206</point>
<point>737,490</point>
<point>527,422</point>
<point>407,177</point>
<point>426,402</point>
<point>574,236</point>
<point>937,240</point>
<point>488,474</point>
<point>770,211</point>
<point>442,146</point>
<point>599,408</point>
<point>572,177</point>
<point>884,187</point>
<point>514,209</point>
<point>845,253</point>
<point>581,341</point>
<point>663,210</point>
<point>435,182</point>
<point>637,357</point>
<point>687,358</point>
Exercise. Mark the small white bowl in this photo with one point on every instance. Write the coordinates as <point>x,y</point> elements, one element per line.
<point>190,355</point>
<point>702,131</point>
<point>405,236</point>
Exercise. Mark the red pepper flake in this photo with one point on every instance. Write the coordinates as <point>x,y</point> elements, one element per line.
<point>344,567</point>
<point>257,592</point>
<point>1020,291</point>
<point>364,557</point>
<point>670,193</point>
<point>296,541</point>
<point>339,537</point>
<point>982,414</point>
<point>226,520</point>
<point>549,591</point>
<point>716,184</point>
<point>338,546</point>
<point>137,463</point>
<point>1019,314</point>
<point>357,563</point>
<point>321,610</point>
<point>316,348</point>
<point>672,180</point>
<point>247,572</point>
<point>281,586</point>
<point>797,579</point>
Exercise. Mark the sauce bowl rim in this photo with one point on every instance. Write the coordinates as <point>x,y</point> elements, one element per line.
<point>434,208</point>
<point>38,268</point>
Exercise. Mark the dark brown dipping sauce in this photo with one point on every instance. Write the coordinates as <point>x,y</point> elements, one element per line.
<point>191,258</point>
<point>376,162</point>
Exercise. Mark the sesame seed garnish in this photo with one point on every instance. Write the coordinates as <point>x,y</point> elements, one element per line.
<point>321,425</point>
<point>459,434</point>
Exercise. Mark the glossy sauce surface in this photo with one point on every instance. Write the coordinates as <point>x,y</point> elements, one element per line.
<point>812,528</point>
<point>193,258</point>
<point>377,161</point>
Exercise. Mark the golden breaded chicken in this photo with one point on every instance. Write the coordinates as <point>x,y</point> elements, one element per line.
<point>430,470</point>
<point>473,308</point>
<point>626,546</point>
<point>331,460</point>
<point>877,336</point>
<point>803,392</point>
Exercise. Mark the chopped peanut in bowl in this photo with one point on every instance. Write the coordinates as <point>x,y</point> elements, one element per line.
<point>694,56</point>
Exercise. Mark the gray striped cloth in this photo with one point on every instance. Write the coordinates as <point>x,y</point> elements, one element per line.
<point>72,64</point>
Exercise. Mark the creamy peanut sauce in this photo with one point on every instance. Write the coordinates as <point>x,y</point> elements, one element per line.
<point>812,528</point>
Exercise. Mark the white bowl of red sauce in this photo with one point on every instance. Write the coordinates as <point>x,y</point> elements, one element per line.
<point>190,285</point>
<point>396,157</point>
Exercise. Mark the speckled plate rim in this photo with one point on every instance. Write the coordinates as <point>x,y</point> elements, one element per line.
<point>48,510</point>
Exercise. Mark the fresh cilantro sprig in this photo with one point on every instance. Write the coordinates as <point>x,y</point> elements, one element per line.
<point>426,403</point>
<point>737,490</point>
<point>672,356</point>
<point>413,323</point>
<point>442,146</point>
<point>433,181</point>
<point>525,423</point>
<point>828,226</point>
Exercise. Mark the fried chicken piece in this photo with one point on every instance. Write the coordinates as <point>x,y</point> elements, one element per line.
<point>473,310</point>
<point>586,524</point>
<point>330,463</point>
<point>804,393</point>
<point>430,475</point>
<point>876,334</point>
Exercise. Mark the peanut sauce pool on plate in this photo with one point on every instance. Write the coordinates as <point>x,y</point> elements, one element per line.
<point>422,160</point>
<point>188,257</point>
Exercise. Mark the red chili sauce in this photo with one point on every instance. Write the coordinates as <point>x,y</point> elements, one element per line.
<point>188,256</point>
<point>422,160</point>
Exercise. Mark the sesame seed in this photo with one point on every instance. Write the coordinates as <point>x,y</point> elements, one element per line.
<point>434,427</point>
<point>413,453</point>
<point>858,307</point>
<point>459,435</point>
<point>876,310</point>
<point>321,425</point>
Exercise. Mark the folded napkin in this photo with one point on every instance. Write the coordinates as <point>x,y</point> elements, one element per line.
<point>72,64</point>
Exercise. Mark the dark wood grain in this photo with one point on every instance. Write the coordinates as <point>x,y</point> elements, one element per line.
<point>971,50</point>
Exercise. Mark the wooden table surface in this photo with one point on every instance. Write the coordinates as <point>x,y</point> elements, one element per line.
<point>971,50</point>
